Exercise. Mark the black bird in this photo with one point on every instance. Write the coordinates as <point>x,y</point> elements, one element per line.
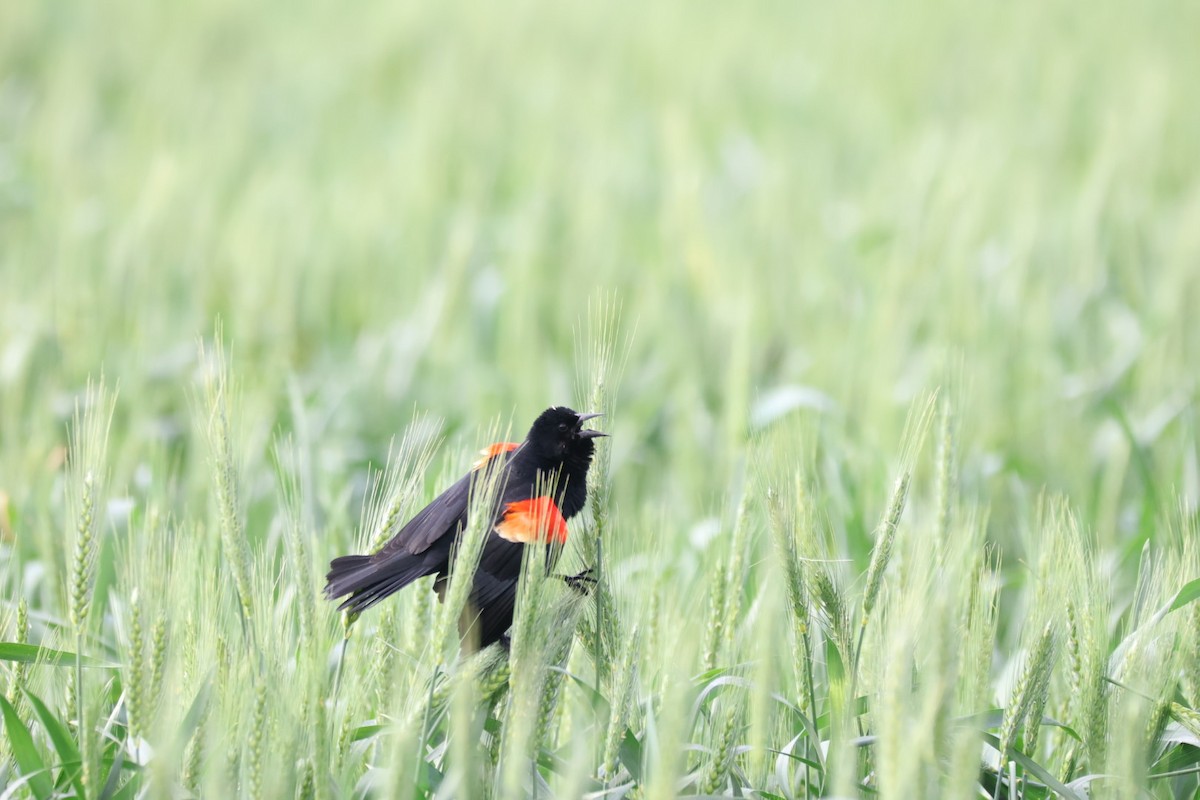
<point>542,484</point>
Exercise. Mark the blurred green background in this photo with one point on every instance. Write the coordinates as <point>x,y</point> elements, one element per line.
<point>813,210</point>
<point>800,219</point>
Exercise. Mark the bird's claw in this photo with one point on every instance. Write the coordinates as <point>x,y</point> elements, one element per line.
<point>582,582</point>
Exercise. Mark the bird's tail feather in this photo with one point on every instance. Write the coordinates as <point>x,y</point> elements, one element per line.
<point>368,581</point>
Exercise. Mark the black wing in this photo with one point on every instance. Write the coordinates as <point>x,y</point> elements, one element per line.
<point>447,514</point>
<point>422,547</point>
<point>442,517</point>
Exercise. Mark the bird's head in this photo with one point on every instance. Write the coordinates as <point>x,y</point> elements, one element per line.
<point>558,434</point>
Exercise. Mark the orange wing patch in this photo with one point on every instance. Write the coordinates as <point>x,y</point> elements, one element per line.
<point>532,520</point>
<point>493,450</point>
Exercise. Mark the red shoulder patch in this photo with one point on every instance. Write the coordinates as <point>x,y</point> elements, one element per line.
<point>532,520</point>
<point>493,450</point>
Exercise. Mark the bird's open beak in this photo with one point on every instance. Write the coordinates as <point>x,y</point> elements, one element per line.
<point>590,434</point>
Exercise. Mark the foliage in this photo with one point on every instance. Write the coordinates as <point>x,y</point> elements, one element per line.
<point>890,309</point>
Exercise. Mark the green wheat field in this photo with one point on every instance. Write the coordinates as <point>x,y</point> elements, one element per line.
<point>892,308</point>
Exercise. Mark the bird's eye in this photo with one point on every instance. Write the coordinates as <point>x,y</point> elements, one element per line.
<point>562,426</point>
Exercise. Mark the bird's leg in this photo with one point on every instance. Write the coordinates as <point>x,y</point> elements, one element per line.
<point>582,582</point>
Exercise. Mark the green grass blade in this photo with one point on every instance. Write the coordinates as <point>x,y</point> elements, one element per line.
<point>29,761</point>
<point>1189,592</point>
<point>631,754</point>
<point>110,789</point>
<point>788,754</point>
<point>128,791</point>
<point>34,653</point>
<point>987,720</point>
<point>363,732</point>
<point>60,736</point>
<point>1034,768</point>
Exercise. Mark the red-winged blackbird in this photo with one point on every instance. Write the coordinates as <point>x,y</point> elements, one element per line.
<point>542,484</point>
